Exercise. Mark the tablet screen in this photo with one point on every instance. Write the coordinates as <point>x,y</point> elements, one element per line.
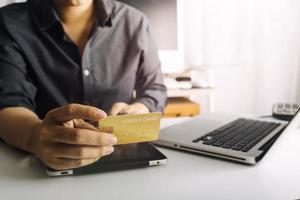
<point>124,157</point>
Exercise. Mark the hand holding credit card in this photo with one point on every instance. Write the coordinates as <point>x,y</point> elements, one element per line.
<point>132,128</point>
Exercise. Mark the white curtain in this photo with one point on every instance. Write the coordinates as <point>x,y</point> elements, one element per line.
<point>251,46</point>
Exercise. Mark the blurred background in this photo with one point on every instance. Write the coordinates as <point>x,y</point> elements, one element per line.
<point>226,55</point>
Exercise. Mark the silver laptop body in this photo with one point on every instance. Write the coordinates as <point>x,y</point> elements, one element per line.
<point>181,136</point>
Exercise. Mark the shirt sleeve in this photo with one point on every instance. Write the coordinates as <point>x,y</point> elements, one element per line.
<point>150,89</point>
<point>16,89</point>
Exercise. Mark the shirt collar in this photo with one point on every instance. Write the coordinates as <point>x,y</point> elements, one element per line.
<point>103,12</point>
<point>47,17</point>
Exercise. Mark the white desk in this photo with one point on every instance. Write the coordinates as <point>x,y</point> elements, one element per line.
<point>186,176</point>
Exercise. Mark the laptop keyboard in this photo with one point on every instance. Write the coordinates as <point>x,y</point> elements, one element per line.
<point>240,135</point>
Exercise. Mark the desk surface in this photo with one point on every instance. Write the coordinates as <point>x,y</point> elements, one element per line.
<point>186,176</point>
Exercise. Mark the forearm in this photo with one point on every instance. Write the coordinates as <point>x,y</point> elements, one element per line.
<point>16,126</point>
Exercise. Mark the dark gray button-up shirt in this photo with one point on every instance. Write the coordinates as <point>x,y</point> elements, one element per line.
<point>40,68</point>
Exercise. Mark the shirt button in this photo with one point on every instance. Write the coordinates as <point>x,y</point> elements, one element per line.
<point>86,72</point>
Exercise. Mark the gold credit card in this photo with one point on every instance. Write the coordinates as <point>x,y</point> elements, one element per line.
<point>132,128</point>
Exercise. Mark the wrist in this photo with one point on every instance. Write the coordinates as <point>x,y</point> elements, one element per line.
<point>33,136</point>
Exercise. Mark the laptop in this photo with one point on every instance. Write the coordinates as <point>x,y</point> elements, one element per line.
<point>234,138</point>
<point>124,157</point>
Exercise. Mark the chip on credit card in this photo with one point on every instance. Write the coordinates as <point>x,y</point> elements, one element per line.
<point>132,128</point>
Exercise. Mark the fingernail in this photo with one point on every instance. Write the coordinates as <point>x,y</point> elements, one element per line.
<point>100,114</point>
<point>113,140</point>
<point>109,150</point>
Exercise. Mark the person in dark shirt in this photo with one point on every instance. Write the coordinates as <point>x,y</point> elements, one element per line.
<point>63,62</point>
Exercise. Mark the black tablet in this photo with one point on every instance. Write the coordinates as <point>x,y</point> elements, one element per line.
<point>124,157</point>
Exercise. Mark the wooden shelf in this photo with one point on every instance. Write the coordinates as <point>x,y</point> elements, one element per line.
<point>189,92</point>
